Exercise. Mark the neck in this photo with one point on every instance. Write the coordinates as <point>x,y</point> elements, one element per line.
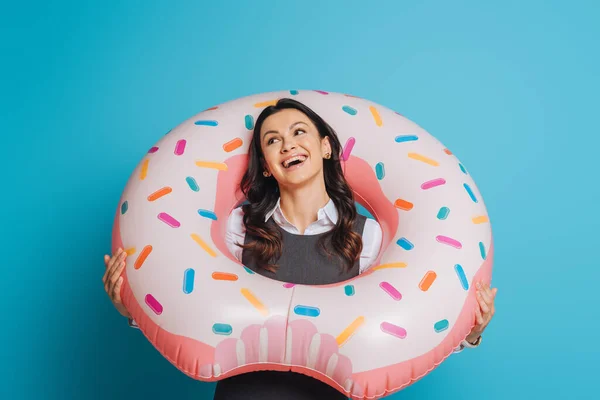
<point>300,205</point>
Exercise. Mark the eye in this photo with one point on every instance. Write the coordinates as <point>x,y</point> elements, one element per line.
<point>270,141</point>
<point>300,130</point>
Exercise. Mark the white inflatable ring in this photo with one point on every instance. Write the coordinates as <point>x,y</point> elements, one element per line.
<point>367,337</point>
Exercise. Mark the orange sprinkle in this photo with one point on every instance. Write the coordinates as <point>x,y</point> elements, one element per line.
<point>480,219</point>
<point>210,164</point>
<point>202,244</point>
<point>232,145</point>
<point>160,193</point>
<point>422,158</point>
<point>390,265</point>
<point>142,257</point>
<point>349,331</point>
<point>224,276</point>
<point>427,280</point>
<point>403,204</point>
<point>448,152</point>
<point>211,109</point>
<point>144,171</point>
<point>376,116</point>
<point>130,251</point>
<point>266,103</point>
<point>255,301</point>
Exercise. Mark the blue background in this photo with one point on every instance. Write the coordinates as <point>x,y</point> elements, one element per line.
<point>510,87</point>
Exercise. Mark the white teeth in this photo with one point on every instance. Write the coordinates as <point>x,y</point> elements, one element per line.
<point>287,162</point>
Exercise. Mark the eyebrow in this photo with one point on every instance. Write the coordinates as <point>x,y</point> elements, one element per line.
<point>291,126</point>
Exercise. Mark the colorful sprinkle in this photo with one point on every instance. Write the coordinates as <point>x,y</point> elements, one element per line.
<point>482,250</point>
<point>124,207</point>
<point>350,110</point>
<point>180,147</point>
<point>403,204</point>
<point>212,108</point>
<point>482,219</point>
<point>392,291</point>
<point>293,92</point>
<point>348,148</point>
<point>160,193</point>
<point>462,168</point>
<point>130,251</point>
<point>265,103</point>
<point>461,276</point>
<point>376,116</point>
<point>351,95</point>
<point>441,326</point>
<point>168,132</point>
<point>307,311</point>
<point>214,165</point>
<point>248,270</point>
<point>405,244</point>
<point>289,285</point>
<point>393,330</point>
<point>433,183</point>
<point>232,145</point>
<point>321,91</point>
<point>169,220</point>
<point>422,158</point>
<point>448,152</point>
<point>443,213</point>
<point>154,304</point>
<point>390,265</point>
<point>207,214</point>
<point>222,329</point>
<point>470,192</point>
<point>406,138</point>
<point>427,280</point>
<point>254,301</point>
<point>153,150</point>
<point>144,171</point>
<point>349,331</point>
<point>206,123</point>
<point>249,122</point>
<point>449,241</point>
<point>202,244</point>
<point>224,276</point>
<point>380,170</point>
<point>188,281</point>
<point>142,257</point>
<point>349,290</point>
<point>192,183</point>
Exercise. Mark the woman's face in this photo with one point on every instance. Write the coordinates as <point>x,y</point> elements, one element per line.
<point>292,147</point>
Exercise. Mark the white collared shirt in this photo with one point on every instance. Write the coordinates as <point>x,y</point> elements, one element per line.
<point>327,217</point>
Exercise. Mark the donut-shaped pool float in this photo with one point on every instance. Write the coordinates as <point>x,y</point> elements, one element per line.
<point>213,318</point>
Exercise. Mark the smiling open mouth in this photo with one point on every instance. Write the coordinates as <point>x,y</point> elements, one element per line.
<point>295,161</point>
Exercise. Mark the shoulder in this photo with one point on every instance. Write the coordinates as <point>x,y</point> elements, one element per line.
<point>235,221</point>
<point>372,238</point>
<point>236,232</point>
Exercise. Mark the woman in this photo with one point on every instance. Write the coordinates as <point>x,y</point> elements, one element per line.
<point>300,225</point>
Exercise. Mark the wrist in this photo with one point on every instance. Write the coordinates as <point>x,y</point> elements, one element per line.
<point>473,339</point>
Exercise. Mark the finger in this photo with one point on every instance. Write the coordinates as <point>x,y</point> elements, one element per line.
<point>484,307</point>
<point>484,295</point>
<point>106,260</point>
<point>117,263</point>
<point>117,290</point>
<point>478,316</point>
<point>494,291</point>
<point>488,290</point>
<point>116,274</point>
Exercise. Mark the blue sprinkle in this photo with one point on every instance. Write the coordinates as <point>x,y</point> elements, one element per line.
<point>482,250</point>
<point>249,121</point>
<point>470,193</point>
<point>168,132</point>
<point>188,281</point>
<point>248,270</point>
<point>462,168</point>
<point>124,207</point>
<point>380,170</point>
<point>461,275</point>
<point>307,311</point>
<point>349,110</point>
<point>293,92</point>
<point>206,123</point>
<point>406,138</point>
<point>192,183</point>
<point>441,325</point>
<point>443,213</point>
<point>405,244</point>
<point>349,290</point>
<point>222,329</point>
<point>207,214</point>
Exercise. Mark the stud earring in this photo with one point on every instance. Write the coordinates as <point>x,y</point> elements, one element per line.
<point>327,156</point>
<point>266,174</point>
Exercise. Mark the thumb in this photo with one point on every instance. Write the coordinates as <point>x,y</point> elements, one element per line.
<point>106,259</point>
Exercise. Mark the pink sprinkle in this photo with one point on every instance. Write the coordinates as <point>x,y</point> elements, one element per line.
<point>433,183</point>
<point>348,148</point>
<point>154,304</point>
<point>449,241</point>
<point>392,291</point>
<point>180,147</point>
<point>322,92</point>
<point>289,285</point>
<point>167,219</point>
<point>153,150</point>
<point>393,330</point>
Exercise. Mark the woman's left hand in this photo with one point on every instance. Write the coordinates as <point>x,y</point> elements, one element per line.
<point>485,310</point>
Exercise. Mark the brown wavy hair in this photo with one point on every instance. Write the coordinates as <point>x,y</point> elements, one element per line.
<point>262,193</point>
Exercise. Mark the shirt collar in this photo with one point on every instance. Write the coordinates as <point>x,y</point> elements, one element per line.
<point>327,211</point>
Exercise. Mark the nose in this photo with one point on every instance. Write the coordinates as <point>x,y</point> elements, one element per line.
<point>289,144</point>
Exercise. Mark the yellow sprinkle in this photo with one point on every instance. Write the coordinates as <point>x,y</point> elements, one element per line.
<point>376,116</point>
<point>254,301</point>
<point>144,171</point>
<point>130,251</point>
<point>266,103</point>
<point>202,244</point>
<point>209,164</point>
<point>349,331</point>
<point>482,219</point>
<point>424,159</point>
<point>391,265</point>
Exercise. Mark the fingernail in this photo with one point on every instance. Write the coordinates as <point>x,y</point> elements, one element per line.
<point>479,285</point>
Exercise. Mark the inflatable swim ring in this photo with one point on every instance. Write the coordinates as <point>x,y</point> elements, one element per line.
<point>368,337</point>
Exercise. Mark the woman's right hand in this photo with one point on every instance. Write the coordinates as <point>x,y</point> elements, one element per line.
<point>112,279</point>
